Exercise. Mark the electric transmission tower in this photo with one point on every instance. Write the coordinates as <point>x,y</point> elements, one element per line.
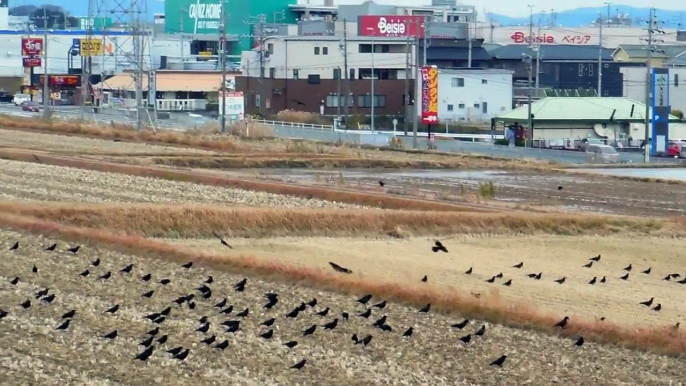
<point>120,26</point>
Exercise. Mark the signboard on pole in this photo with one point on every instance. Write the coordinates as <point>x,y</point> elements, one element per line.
<point>429,76</point>
<point>90,47</point>
<point>31,46</point>
<point>235,105</point>
<point>390,26</point>
<point>660,110</point>
<point>32,62</point>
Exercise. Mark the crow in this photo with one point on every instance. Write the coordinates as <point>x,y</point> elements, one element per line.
<point>210,340</point>
<point>154,331</point>
<point>182,355</point>
<point>64,325</point>
<point>165,311</point>
<point>224,243</point>
<point>34,269</point>
<point>579,342</point>
<point>209,280</point>
<point>499,362</point>
<point>365,299</point>
<point>668,278</point>
<point>461,325</point>
<point>559,281</point>
<point>426,309</point>
<point>221,304</point>
<point>647,271</point>
<point>14,281</point>
<point>562,323</point>
<point>26,304</point>
<point>628,268</point>
<point>520,265</point>
<point>243,313</point>
<point>345,315</point>
<point>647,303</point>
<point>15,246</point>
<point>438,246</point>
<point>163,339</point>
<point>127,269</point>
<point>380,322</point>
<point>223,345</point>
<point>386,327</point>
<point>111,335</point>
<point>310,330</point>
<point>491,280</point>
<point>658,307</point>
<point>106,276</point>
<point>95,263</point>
<point>148,294</point>
<point>408,333</point>
<point>366,314</point>
<point>175,351</point>
<point>85,273</point>
<point>560,187</point>
<point>270,304</point>
<point>469,271</point>
<point>597,258</point>
<point>499,276</point>
<point>589,265</point>
<point>682,281</point>
<point>268,322</point>
<point>165,281</point>
<point>366,340</point>
<point>538,277</point>
<point>187,265</point>
<point>69,314</point>
<point>323,313</point>
<point>159,320</point>
<point>113,309</point>
<point>339,268</point>
<point>625,277</point>
<point>147,342</point>
<point>603,280</point>
<point>381,183</point>
<point>312,302</point>
<point>355,339</point>
<point>152,316</point>
<point>203,289</point>
<point>380,306</point>
<point>592,282</point>
<point>146,277</point>
<point>481,331</point>
<point>294,313</point>
<point>299,365</point>
<point>466,339</point>
<point>49,298</point>
<point>331,325</point>
<point>425,279</point>
<point>145,354</point>
<point>74,249</point>
<point>291,344</point>
<point>51,248</point>
<point>508,283</point>
<point>3,313</point>
<point>204,328</point>
<point>268,334</point>
<point>241,283</point>
<point>233,328</point>
<point>42,293</point>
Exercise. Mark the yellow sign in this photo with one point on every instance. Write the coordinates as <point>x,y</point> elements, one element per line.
<point>55,96</point>
<point>205,53</point>
<point>90,47</point>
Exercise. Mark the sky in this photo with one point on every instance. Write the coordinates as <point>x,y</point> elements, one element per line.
<point>504,7</point>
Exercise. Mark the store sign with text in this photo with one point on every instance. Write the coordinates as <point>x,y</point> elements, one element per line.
<point>62,80</point>
<point>31,46</point>
<point>32,62</point>
<point>390,26</point>
<point>519,37</point>
<point>429,75</point>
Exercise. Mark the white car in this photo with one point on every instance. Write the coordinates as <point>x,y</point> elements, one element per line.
<point>21,98</point>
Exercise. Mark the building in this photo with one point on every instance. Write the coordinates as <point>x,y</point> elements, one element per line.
<point>634,85</point>
<point>562,121</point>
<point>637,53</point>
<point>472,95</point>
<point>455,53</point>
<point>200,21</point>
<point>613,36</point>
<point>559,67</point>
<point>175,90</point>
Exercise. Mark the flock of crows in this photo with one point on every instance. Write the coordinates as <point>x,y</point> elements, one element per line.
<point>223,309</point>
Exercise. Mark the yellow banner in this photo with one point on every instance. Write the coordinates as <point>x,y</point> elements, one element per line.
<point>90,47</point>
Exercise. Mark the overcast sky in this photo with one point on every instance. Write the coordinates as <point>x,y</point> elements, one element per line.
<point>505,7</point>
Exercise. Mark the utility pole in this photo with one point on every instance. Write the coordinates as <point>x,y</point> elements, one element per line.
<point>600,58</point>
<point>492,27</point>
<point>408,47</point>
<point>222,61</point>
<point>426,37</point>
<point>373,78</point>
<point>417,81</point>
<point>138,76</point>
<point>46,88</point>
<point>649,83</point>
<point>262,19</point>
<point>338,93</point>
<point>538,55</point>
<point>469,39</point>
<point>529,65</point>
<point>347,73</point>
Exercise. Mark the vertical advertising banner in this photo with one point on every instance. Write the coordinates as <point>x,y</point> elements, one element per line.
<point>660,111</point>
<point>429,77</point>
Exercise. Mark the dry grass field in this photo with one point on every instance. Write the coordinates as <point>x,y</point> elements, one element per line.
<point>157,201</point>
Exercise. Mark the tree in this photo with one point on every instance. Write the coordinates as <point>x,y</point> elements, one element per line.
<point>57,17</point>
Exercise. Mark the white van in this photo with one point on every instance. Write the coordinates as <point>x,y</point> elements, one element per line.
<point>21,98</point>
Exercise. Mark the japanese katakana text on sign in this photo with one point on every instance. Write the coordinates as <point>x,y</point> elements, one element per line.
<point>429,95</point>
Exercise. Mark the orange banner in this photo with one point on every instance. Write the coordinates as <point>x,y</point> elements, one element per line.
<point>429,95</point>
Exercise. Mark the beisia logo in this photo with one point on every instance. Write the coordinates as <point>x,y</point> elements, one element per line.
<point>519,37</point>
<point>391,28</point>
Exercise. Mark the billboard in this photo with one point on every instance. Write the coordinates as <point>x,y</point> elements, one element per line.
<point>235,104</point>
<point>390,26</point>
<point>660,109</point>
<point>429,76</point>
<point>193,16</point>
<point>31,62</point>
<point>62,80</point>
<point>90,47</point>
<point>31,46</point>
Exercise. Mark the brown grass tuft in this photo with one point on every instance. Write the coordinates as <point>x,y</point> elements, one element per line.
<point>488,307</point>
<point>200,221</point>
<point>334,195</point>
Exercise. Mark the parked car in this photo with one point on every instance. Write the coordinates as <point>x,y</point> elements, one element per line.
<point>5,97</point>
<point>30,106</point>
<point>20,98</point>
<point>588,141</point>
<point>676,149</point>
<point>602,153</point>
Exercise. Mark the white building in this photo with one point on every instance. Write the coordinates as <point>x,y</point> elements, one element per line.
<point>116,57</point>
<point>322,56</point>
<point>472,95</point>
<point>634,82</point>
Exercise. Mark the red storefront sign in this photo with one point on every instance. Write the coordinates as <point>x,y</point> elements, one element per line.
<point>390,26</point>
<point>32,62</point>
<point>429,95</point>
<point>62,80</point>
<point>520,38</point>
<point>31,46</point>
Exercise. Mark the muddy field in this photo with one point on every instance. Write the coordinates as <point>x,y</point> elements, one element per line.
<point>34,351</point>
<point>512,188</point>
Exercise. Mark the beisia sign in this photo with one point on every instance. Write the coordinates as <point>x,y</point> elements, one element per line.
<point>390,26</point>
<point>429,95</point>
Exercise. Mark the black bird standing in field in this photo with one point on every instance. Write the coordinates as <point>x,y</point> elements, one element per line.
<point>499,276</point>
<point>106,276</point>
<point>366,340</point>
<point>647,303</point>
<point>469,271</point>
<point>209,280</point>
<point>339,268</point>
<point>243,313</point>
<point>34,269</point>
<point>625,277</point>
<point>148,294</point>
<point>562,323</point>
<point>380,306</point>
<point>481,331</point>
<point>291,344</point>
<point>324,312</point>
<point>683,281</point>
<point>268,334</point>
<point>520,265</point>
<point>538,277</point>
<point>15,246</point>
<point>85,273</point>
<point>14,281</point>
<point>152,316</point>
<point>111,335</point>
<point>146,277</point>
<point>628,268</point>
<point>466,339</point>
<point>310,330</point>
<point>74,249</point>
<point>438,246</point>
<point>603,280</point>
<point>182,355</point>
<point>127,269</point>
<point>589,265</point>
<point>49,298</point>
<point>579,342</point>
<point>42,293</point>
<point>658,307</point>
<point>426,309</point>
<point>95,262</point>
<point>647,271</point>
<point>145,354</point>
<point>64,325</point>
<point>365,299</point>
<point>559,281</point>
<point>294,313</point>
<point>221,304</point>
<point>299,365</point>
<point>147,342</point>
<point>26,304</point>
<point>3,313</point>
<point>165,281</point>
<point>380,322</point>
<point>508,283</point>
<point>224,243</point>
<point>52,247</point>
<point>159,320</point>
<point>491,280</point>
<point>408,333</point>
<point>499,362</point>
<point>175,351</point>
<point>187,265</point>
<point>331,325</point>
<point>203,289</point>
<point>154,331</point>
<point>204,328</point>
<point>560,187</point>
<point>241,283</point>
<point>596,258</point>
<point>345,315</point>
<point>592,282</point>
<point>667,278</point>
<point>268,322</point>
<point>381,183</point>
<point>223,345</point>
<point>113,309</point>
<point>425,279</point>
<point>163,339</point>
<point>312,302</point>
<point>210,340</point>
<point>461,325</point>
<point>69,314</point>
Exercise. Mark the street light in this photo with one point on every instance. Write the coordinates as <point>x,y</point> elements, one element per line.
<point>373,76</point>
<point>608,3</point>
